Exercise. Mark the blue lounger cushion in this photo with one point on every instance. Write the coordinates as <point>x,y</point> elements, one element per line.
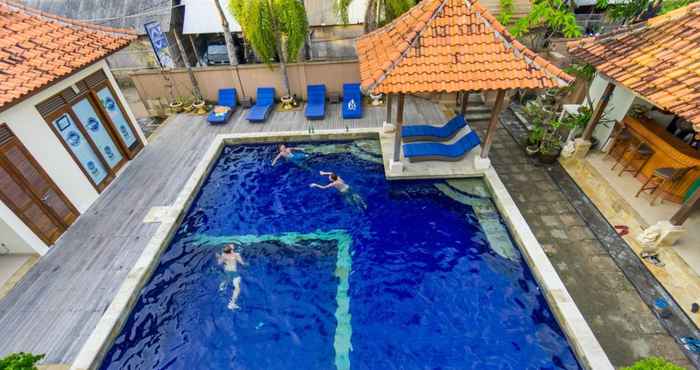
<point>352,101</point>
<point>316,104</point>
<point>433,133</point>
<point>227,98</point>
<point>439,151</point>
<point>264,102</point>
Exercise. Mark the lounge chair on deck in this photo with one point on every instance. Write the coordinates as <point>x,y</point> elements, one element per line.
<point>264,102</point>
<point>418,152</point>
<point>352,101</point>
<point>316,105</point>
<point>224,108</point>
<point>433,133</point>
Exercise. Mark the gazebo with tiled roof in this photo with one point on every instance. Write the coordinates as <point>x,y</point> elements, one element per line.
<point>450,46</point>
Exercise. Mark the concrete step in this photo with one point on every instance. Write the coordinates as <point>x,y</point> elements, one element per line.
<point>472,117</point>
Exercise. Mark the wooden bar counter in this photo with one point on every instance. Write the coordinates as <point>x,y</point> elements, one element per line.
<point>669,151</point>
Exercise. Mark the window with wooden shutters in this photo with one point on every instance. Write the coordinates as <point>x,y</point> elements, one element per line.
<point>5,134</point>
<point>96,78</point>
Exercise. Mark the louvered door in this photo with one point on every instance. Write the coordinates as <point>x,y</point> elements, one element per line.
<point>30,193</point>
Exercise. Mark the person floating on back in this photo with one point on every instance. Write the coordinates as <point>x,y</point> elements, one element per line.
<point>343,188</point>
<point>230,259</point>
<point>293,154</point>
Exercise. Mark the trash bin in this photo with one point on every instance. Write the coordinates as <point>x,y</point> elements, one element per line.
<point>662,308</point>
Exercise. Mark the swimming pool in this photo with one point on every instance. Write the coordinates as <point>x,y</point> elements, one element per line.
<point>425,277</point>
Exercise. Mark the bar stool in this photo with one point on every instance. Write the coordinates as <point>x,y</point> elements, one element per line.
<point>638,152</point>
<point>621,137</point>
<point>662,177</point>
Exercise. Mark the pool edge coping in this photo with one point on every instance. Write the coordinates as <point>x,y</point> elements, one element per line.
<point>583,342</point>
<point>585,345</point>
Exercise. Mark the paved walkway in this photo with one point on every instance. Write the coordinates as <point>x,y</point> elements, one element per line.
<point>625,326</point>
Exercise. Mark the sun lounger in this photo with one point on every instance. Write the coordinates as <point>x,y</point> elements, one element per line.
<point>264,102</point>
<point>433,133</point>
<point>224,108</point>
<point>418,152</point>
<point>352,101</point>
<point>316,105</point>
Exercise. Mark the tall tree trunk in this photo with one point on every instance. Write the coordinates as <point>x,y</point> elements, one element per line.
<point>281,51</point>
<point>280,46</point>
<point>371,15</point>
<point>193,79</point>
<point>233,60</point>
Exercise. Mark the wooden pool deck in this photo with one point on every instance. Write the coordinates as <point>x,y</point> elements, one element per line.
<point>57,304</point>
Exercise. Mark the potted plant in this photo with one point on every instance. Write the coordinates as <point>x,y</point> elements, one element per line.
<point>176,106</point>
<point>199,106</point>
<point>549,150</point>
<point>550,146</point>
<point>534,139</point>
<point>376,98</point>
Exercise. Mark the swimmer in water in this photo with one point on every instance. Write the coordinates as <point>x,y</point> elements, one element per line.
<point>289,153</point>
<point>343,188</point>
<point>335,182</point>
<point>230,259</point>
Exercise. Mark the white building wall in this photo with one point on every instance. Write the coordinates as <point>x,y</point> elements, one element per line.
<point>10,240</point>
<point>17,236</point>
<point>35,134</point>
<point>618,106</point>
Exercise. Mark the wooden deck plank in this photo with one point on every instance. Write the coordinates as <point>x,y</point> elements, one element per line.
<point>55,307</point>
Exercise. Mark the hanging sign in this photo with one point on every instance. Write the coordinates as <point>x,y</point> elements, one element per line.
<point>160,44</point>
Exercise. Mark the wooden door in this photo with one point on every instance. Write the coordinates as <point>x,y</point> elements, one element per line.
<point>30,193</point>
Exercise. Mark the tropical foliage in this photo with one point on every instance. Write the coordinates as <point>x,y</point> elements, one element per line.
<point>653,363</point>
<point>20,361</point>
<point>552,17</point>
<point>379,12</point>
<point>274,28</point>
<point>505,14</point>
<point>631,11</point>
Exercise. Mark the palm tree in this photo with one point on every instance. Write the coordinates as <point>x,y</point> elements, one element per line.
<point>378,13</point>
<point>274,28</point>
<point>230,48</point>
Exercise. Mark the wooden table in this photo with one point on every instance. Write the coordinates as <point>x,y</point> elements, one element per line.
<point>669,151</point>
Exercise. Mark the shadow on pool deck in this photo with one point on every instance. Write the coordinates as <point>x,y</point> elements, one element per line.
<point>623,323</point>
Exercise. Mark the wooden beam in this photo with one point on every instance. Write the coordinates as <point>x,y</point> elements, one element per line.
<point>598,112</point>
<point>682,214</point>
<point>389,101</point>
<point>397,134</point>
<point>465,102</point>
<point>493,123</point>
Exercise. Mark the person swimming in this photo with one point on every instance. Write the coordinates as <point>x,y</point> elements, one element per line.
<point>343,188</point>
<point>230,259</point>
<point>335,182</point>
<point>293,154</point>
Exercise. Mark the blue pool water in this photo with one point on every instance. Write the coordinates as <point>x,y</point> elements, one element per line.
<point>424,278</point>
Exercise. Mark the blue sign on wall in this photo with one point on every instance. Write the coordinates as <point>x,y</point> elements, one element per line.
<point>160,44</point>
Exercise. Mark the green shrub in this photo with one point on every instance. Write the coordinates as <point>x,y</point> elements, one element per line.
<point>653,363</point>
<point>20,361</point>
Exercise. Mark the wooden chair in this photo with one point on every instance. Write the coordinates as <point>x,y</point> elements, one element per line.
<point>639,154</point>
<point>620,138</point>
<point>663,177</point>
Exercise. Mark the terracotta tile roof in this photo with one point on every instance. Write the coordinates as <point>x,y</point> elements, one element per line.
<point>450,45</point>
<point>37,49</point>
<point>658,59</point>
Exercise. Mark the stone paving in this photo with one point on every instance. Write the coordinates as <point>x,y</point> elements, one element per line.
<point>623,323</point>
